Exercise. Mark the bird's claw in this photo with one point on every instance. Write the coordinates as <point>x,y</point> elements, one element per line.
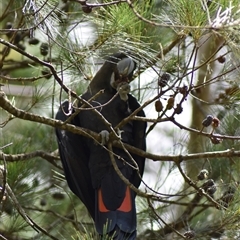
<point>123,89</point>
<point>104,134</point>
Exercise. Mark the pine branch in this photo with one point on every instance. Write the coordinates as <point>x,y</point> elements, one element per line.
<point>20,210</point>
<point>50,157</point>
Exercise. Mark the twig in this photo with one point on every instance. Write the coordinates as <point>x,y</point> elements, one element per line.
<point>3,174</point>
<point>41,62</point>
<point>165,223</point>
<point>201,132</point>
<point>3,179</point>
<point>94,5</point>
<point>7,145</point>
<point>6,105</point>
<point>199,190</point>
<point>2,237</point>
<point>20,210</point>
<point>21,79</point>
<point>26,156</point>
<point>125,180</point>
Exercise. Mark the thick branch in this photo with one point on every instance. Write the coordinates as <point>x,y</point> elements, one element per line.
<point>6,105</point>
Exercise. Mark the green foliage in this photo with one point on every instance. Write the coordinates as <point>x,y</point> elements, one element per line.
<point>145,30</point>
<point>188,14</point>
<point>120,28</point>
<point>195,17</point>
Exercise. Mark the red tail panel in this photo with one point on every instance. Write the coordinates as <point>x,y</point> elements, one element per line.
<point>101,205</point>
<point>126,205</point>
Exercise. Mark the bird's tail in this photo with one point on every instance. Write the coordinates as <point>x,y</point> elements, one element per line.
<point>118,224</point>
<point>118,234</point>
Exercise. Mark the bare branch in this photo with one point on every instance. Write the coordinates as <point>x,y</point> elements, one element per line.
<point>6,105</point>
<point>50,157</point>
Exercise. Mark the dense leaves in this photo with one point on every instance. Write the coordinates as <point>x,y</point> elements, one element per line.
<point>187,81</point>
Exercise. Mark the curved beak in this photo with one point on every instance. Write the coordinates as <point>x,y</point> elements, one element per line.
<point>123,72</point>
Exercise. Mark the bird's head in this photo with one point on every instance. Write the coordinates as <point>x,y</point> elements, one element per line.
<point>117,70</point>
<point>122,70</point>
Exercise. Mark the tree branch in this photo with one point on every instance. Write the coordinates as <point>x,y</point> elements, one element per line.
<point>21,211</point>
<point>6,105</point>
<point>26,156</point>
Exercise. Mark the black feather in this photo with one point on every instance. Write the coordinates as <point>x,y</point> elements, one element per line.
<point>87,166</point>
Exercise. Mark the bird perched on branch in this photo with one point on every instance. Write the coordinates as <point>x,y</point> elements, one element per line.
<point>87,164</point>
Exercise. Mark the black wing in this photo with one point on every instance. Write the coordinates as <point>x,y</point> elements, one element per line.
<point>74,157</point>
<point>139,140</point>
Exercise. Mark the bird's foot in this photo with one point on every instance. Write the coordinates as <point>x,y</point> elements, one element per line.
<point>123,89</point>
<point>119,133</point>
<point>104,134</point>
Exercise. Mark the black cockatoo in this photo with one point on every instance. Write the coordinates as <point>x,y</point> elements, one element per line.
<point>87,165</point>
